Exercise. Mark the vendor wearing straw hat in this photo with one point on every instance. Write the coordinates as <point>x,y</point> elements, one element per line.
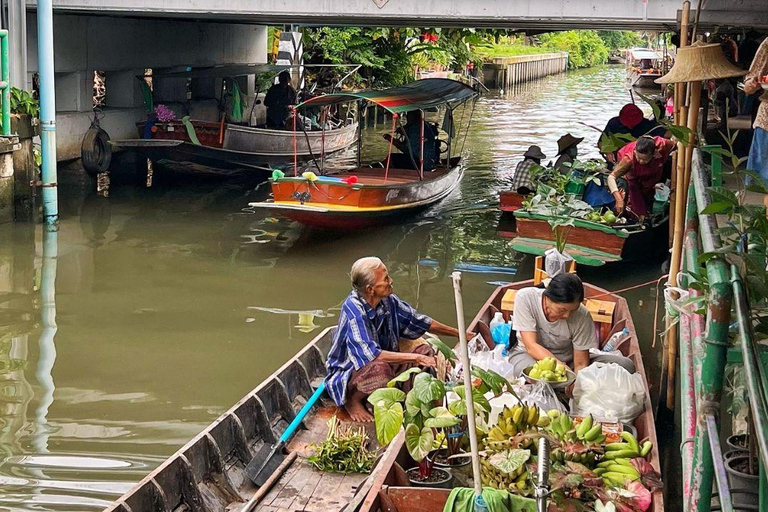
<point>522,183</point>
<point>366,353</point>
<point>567,151</point>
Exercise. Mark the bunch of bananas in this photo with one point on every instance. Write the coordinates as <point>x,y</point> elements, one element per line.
<point>617,472</point>
<point>516,482</point>
<point>578,443</point>
<point>627,448</point>
<point>512,421</point>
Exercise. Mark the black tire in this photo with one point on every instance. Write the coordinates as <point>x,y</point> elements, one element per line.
<point>95,152</point>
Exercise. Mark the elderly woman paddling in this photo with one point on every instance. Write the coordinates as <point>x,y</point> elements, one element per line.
<point>365,353</point>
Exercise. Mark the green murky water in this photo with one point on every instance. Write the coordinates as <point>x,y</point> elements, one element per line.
<point>153,311</point>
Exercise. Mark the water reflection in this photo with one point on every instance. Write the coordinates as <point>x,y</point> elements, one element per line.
<point>46,342</point>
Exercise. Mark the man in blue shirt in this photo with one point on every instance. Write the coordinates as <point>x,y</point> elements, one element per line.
<point>365,353</point>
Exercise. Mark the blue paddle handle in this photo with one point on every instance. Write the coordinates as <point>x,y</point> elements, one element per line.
<point>302,413</point>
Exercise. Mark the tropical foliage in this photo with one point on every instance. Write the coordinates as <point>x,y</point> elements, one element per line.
<point>585,47</point>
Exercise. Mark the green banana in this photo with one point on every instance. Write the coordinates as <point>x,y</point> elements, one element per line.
<point>584,426</point>
<point>553,413</point>
<point>645,450</point>
<point>623,477</point>
<point>618,468</point>
<point>599,439</point>
<point>624,454</point>
<point>600,471</point>
<point>616,447</point>
<point>593,432</point>
<point>624,462</point>
<point>632,440</point>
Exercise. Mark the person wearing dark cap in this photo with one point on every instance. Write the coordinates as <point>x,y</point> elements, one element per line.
<point>630,121</point>
<point>567,151</point>
<point>279,97</point>
<point>522,182</point>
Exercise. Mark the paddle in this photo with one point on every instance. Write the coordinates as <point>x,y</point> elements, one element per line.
<point>269,458</point>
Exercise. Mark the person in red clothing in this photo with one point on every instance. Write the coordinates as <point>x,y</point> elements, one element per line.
<point>641,163</point>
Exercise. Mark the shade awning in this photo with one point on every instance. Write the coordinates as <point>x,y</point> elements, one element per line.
<point>235,70</point>
<point>643,54</point>
<point>419,95</point>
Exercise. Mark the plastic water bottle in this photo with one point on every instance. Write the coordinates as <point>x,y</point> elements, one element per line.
<point>498,319</point>
<point>614,340</point>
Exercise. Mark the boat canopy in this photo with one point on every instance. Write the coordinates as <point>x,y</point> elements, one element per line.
<point>235,70</point>
<point>643,54</point>
<point>419,95</point>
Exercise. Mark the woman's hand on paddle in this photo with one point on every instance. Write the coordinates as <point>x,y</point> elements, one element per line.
<point>425,361</point>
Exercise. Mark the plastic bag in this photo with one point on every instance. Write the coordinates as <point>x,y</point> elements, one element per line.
<point>543,396</point>
<point>496,360</point>
<point>608,392</point>
<point>556,262</point>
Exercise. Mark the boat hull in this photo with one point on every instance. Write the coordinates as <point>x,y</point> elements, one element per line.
<point>510,201</point>
<point>644,80</point>
<point>372,201</point>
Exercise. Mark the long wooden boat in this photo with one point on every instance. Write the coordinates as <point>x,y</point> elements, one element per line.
<point>393,496</point>
<point>332,203</point>
<point>592,243</point>
<point>378,193</point>
<point>208,473</point>
<point>644,66</point>
<point>510,201</point>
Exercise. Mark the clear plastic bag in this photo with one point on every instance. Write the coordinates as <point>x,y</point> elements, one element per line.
<point>543,396</point>
<point>608,392</point>
<point>556,262</point>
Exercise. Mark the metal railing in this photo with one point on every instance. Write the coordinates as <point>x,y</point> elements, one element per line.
<point>704,350</point>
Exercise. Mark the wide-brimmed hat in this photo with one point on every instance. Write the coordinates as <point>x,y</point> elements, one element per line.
<point>700,61</point>
<point>566,141</point>
<point>535,152</point>
<point>630,115</point>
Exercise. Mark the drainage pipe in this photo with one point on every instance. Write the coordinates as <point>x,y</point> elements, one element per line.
<point>47,112</point>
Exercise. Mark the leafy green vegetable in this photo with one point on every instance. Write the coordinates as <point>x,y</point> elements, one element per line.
<point>344,450</point>
<point>388,422</point>
<point>510,461</point>
<point>403,377</point>
<point>385,397</point>
<point>418,442</point>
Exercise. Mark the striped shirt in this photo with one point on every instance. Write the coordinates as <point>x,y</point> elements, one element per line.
<point>363,332</point>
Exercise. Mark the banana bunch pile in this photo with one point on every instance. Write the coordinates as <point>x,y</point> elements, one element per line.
<point>578,443</point>
<point>616,467</point>
<point>516,481</point>
<point>512,421</point>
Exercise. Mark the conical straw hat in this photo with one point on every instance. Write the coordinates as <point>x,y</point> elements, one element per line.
<point>700,61</point>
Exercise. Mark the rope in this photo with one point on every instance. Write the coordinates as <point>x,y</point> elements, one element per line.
<point>469,123</point>
<point>391,140</point>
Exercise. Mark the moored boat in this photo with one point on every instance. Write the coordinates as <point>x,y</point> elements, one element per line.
<point>383,191</point>
<point>393,496</point>
<point>510,201</point>
<point>592,243</point>
<point>208,473</point>
<point>643,67</point>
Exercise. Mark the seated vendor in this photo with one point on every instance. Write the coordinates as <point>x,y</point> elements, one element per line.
<point>412,132</point>
<point>365,353</point>
<point>553,322</point>
<point>641,163</point>
<point>522,182</point>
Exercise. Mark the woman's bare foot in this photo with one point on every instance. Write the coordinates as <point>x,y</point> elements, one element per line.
<point>357,411</point>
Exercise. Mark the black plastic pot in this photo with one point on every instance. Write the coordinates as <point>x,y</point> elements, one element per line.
<point>737,441</point>
<point>734,453</point>
<point>745,484</point>
<point>452,463</point>
<point>443,478</point>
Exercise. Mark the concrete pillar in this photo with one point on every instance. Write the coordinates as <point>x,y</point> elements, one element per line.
<point>17,37</point>
<point>74,91</point>
<point>7,146</point>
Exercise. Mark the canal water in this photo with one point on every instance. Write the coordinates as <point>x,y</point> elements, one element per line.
<point>154,310</point>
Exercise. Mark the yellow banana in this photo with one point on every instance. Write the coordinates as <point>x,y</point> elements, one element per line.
<point>628,437</point>
<point>517,415</point>
<point>533,415</point>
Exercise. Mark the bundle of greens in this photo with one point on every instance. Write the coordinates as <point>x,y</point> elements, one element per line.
<point>345,450</point>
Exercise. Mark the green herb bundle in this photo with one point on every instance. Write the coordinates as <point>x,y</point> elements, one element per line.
<point>345,450</point>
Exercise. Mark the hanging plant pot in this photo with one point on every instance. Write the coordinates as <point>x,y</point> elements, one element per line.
<point>442,461</point>
<point>440,478</point>
<point>734,453</point>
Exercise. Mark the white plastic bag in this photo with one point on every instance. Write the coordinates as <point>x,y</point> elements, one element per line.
<point>543,396</point>
<point>556,262</point>
<point>609,393</point>
<point>494,360</point>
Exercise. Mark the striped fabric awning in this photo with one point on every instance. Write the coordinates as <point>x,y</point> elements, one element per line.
<point>419,95</point>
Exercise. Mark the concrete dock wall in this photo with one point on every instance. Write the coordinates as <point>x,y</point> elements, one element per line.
<point>506,72</point>
<point>123,48</point>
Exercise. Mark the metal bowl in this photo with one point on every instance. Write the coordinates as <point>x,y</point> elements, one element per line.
<point>555,385</point>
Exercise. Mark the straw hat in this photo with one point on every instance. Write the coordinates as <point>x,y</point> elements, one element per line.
<point>535,152</point>
<point>700,61</point>
<point>567,141</point>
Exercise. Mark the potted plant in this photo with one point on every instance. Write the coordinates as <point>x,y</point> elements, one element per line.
<point>25,114</point>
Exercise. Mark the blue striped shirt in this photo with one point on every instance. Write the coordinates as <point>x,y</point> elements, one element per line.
<point>363,332</point>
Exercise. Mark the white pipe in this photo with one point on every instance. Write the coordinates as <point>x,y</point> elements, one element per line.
<point>467,370</point>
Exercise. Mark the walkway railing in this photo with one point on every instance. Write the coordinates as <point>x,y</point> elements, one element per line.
<point>704,353</point>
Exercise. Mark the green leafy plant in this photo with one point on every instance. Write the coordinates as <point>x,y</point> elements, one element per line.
<point>561,227</point>
<point>23,103</point>
<point>344,450</point>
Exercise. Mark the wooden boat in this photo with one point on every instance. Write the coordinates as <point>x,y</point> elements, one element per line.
<point>510,201</point>
<point>382,192</point>
<point>643,67</point>
<point>235,146</point>
<point>393,496</point>
<point>208,473</point>
<point>592,243</point>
